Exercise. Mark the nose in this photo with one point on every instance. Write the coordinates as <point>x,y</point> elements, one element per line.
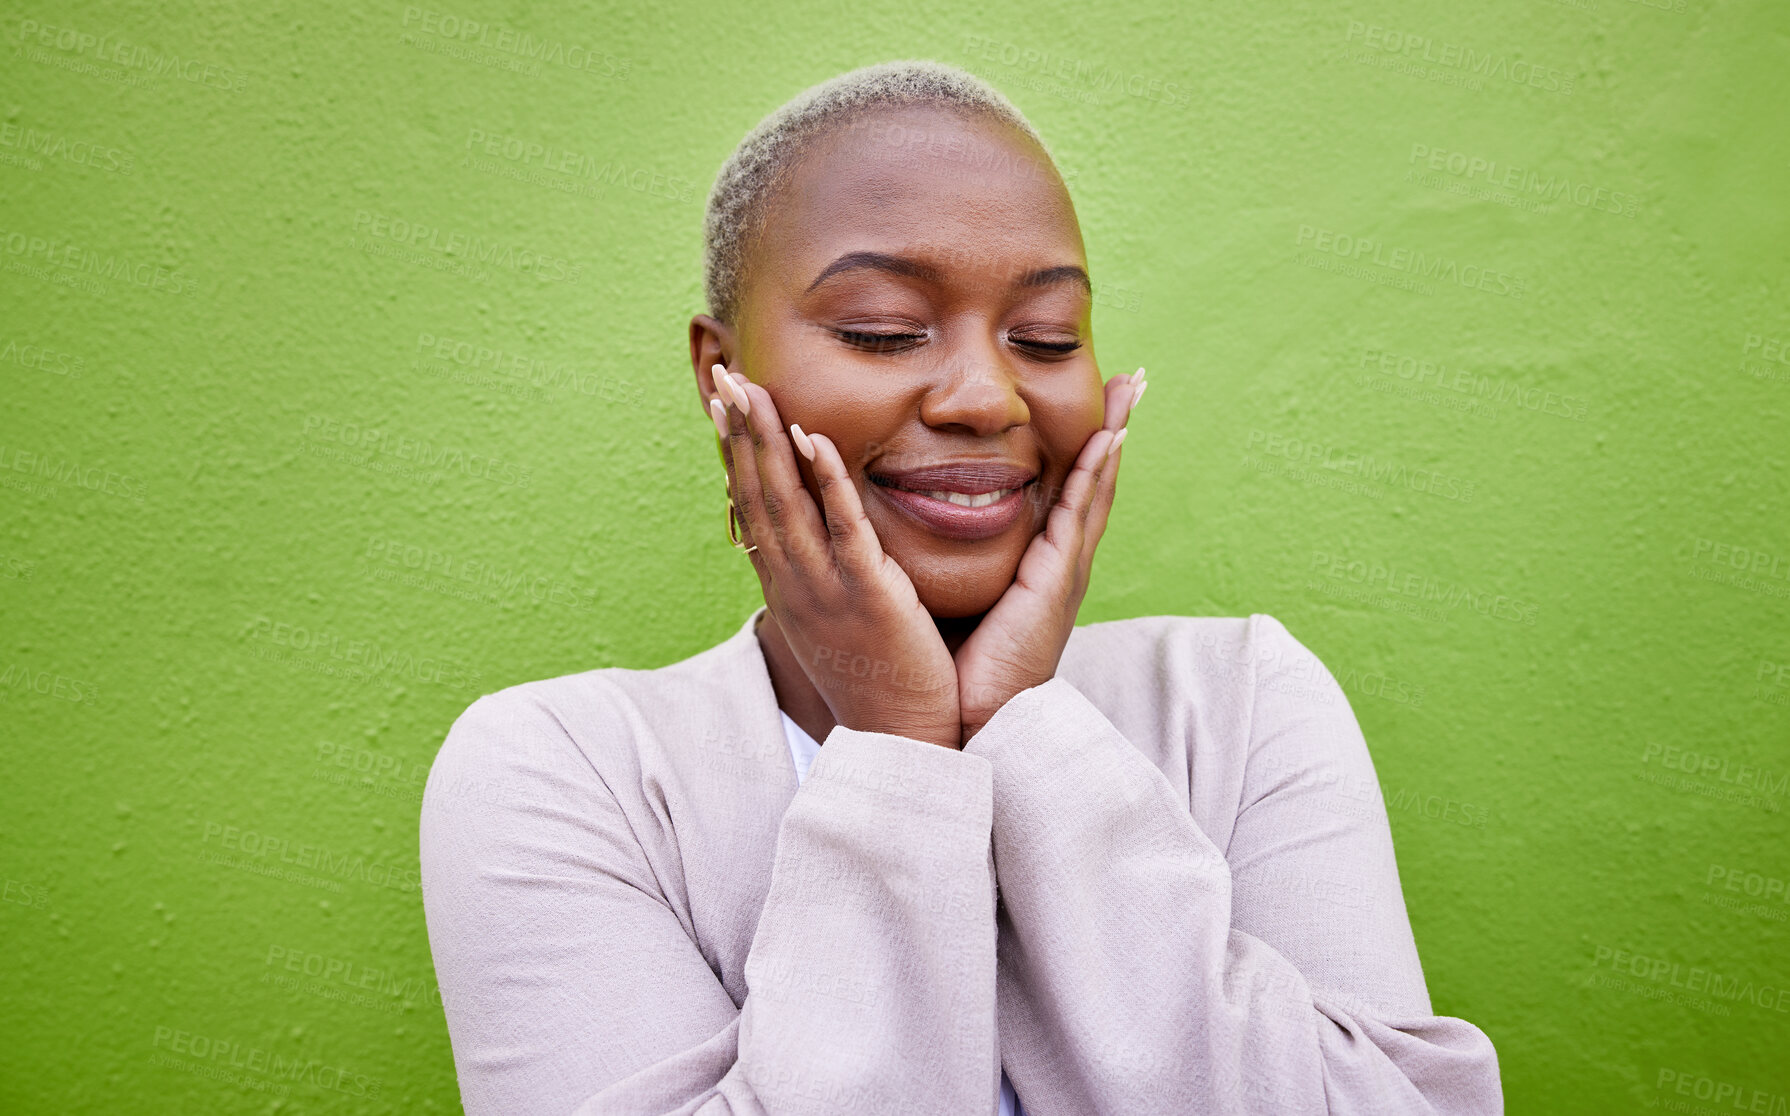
<point>976,393</point>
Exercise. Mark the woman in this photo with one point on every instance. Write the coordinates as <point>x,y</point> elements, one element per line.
<point>1134,867</point>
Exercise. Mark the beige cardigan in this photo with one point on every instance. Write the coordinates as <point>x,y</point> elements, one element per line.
<point>634,909</point>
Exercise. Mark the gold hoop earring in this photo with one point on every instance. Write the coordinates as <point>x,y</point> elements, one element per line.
<point>733,527</point>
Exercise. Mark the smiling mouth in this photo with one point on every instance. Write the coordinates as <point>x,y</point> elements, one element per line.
<point>980,513</point>
<point>961,499</point>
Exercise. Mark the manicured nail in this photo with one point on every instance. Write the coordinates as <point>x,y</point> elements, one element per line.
<point>802,442</point>
<point>1139,395</point>
<point>739,383</point>
<point>1137,376</point>
<point>723,385</point>
<point>719,414</point>
<point>1113,446</point>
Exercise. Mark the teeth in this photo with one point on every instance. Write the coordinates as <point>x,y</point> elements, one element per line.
<point>965,500</point>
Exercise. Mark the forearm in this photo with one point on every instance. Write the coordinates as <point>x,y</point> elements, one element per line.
<point>1127,986</point>
<point>574,980</point>
<point>875,951</point>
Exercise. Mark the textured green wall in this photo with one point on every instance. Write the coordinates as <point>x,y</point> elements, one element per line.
<point>345,380</point>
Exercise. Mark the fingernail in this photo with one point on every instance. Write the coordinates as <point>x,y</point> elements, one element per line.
<point>719,414</point>
<point>723,385</point>
<point>802,442</point>
<point>1138,375</point>
<point>1113,446</point>
<point>739,383</point>
<point>1140,394</point>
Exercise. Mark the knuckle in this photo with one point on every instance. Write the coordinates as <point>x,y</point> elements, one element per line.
<point>776,509</point>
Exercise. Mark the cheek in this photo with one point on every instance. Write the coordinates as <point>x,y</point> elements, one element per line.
<point>1066,419</point>
<point>817,385</point>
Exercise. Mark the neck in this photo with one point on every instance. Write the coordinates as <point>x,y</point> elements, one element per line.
<point>797,696</point>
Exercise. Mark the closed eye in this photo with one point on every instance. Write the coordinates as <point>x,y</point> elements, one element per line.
<point>1061,347</point>
<point>879,342</point>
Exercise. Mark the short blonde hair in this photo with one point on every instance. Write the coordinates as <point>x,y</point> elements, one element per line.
<point>757,166</point>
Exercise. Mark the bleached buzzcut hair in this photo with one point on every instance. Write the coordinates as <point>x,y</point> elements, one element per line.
<point>736,206</point>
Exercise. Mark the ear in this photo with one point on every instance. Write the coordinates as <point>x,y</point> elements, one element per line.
<point>712,342</point>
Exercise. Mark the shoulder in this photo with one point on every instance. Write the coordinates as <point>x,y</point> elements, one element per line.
<point>1201,652</point>
<point>591,723</point>
<point>1223,706</point>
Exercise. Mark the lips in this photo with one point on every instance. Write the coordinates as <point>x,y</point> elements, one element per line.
<point>959,500</point>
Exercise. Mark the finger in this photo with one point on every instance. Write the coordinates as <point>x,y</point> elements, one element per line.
<point>1091,513</point>
<point>787,508</point>
<point>856,549</point>
<point>1094,527</point>
<point>742,468</point>
<point>1122,394</point>
<point>1064,527</point>
<point>1100,508</point>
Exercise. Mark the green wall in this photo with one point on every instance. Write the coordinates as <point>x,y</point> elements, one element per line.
<point>330,404</point>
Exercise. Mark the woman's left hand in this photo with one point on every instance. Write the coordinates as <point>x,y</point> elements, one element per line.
<point>1019,641</point>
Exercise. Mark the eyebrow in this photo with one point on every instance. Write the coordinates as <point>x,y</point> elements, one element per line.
<point>879,261</point>
<point>913,269</point>
<point>1044,277</point>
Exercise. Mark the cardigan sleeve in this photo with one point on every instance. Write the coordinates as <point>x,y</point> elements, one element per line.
<point>1141,969</point>
<point>570,984</point>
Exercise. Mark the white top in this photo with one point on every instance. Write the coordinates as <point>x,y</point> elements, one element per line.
<point>803,748</point>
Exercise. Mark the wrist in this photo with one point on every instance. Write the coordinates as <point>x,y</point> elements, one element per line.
<point>943,733</point>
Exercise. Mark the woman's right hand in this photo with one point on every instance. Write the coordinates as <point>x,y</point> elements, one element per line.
<point>849,613</point>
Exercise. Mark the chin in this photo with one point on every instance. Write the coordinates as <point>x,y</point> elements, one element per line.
<point>960,593</point>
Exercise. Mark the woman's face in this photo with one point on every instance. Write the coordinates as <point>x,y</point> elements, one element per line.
<point>919,294</point>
